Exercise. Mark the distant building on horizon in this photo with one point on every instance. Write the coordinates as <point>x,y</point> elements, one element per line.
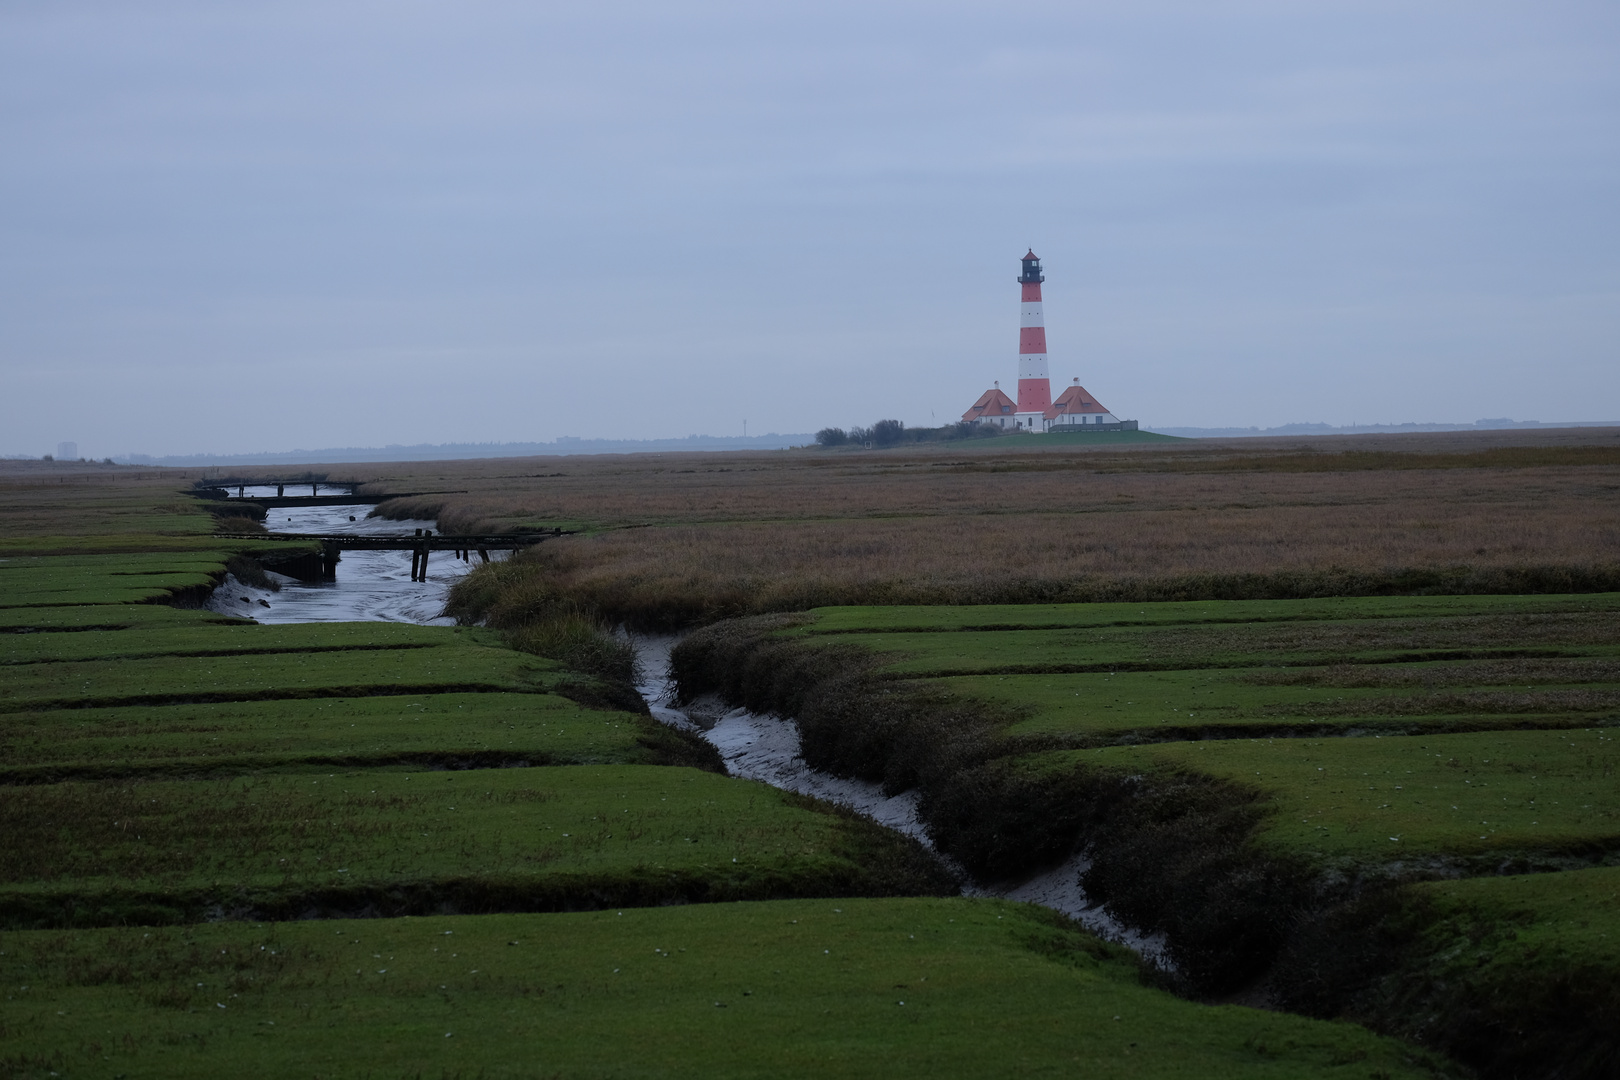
<point>1035,410</point>
<point>67,451</point>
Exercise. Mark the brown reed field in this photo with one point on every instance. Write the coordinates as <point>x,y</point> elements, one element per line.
<point>678,539</point>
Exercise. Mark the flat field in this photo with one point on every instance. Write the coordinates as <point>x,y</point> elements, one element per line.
<point>860,988</point>
<point>449,666</point>
<point>1091,673</point>
<point>1191,688</point>
<point>1019,520</point>
<point>403,730</point>
<point>1253,779</point>
<point>87,854</point>
<point>213,742</point>
<point>1484,797</point>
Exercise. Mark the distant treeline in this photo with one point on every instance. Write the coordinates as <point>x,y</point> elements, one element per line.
<point>895,432</point>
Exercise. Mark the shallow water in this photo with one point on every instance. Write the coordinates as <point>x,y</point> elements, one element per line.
<point>376,586</point>
<point>766,748</point>
<point>371,586</point>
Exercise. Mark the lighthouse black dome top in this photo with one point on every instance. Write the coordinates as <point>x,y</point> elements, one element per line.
<point>1032,270</point>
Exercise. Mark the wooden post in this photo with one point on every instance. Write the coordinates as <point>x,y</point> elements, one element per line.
<point>424,563</point>
<point>281,489</point>
<point>329,560</point>
<point>314,489</point>
<point>416,557</point>
<point>483,553</point>
<point>241,490</point>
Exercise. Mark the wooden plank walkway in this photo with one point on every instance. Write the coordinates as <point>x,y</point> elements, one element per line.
<point>219,496</point>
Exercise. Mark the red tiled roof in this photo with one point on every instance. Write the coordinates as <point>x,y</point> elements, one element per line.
<point>990,404</point>
<point>1075,400</point>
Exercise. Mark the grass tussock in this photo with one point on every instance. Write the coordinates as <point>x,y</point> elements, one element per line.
<point>534,617</point>
<point>249,571</point>
<point>1517,976</point>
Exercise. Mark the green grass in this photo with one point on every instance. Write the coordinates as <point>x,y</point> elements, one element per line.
<point>134,578</point>
<point>397,730</point>
<point>148,588</point>
<point>1370,800</point>
<point>488,839</point>
<point>947,617</point>
<point>17,621</point>
<point>212,639</point>
<point>1090,708</point>
<point>789,988</point>
<point>1517,975</point>
<point>1558,924</point>
<point>172,679</point>
<point>1353,641</point>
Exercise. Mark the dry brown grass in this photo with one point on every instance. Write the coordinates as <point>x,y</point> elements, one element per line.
<point>738,534</point>
<point>993,478</point>
<point>678,538</point>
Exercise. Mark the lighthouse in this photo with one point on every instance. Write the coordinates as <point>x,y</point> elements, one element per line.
<point>1034,386</point>
<point>1074,411</point>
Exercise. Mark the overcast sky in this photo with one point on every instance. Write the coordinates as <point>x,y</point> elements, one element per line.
<point>254,226</point>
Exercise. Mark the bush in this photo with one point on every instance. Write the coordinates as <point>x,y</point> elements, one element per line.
<point>832,436</point>
<point>240,525</point>
<point>248,571</point>
<point>517,598</point>
<point>888,432</point>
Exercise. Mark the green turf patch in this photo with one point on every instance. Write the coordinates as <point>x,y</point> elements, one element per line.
<point>1295,643</point>
<point>1516,975</point>
<point>265,676</point>
<point>1557,923</point>
<point>133,578</point>
<point>1094,708</point>
<point>393,731</point>
<point>860,988</point>
<point>388,842</point>
<point>214,639</point>
<point>152,588</point>
<point>1481,797</point>
<point>108,617</point>
<point>947,617</point>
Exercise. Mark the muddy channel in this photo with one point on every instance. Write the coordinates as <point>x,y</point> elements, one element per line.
<point>376,586</point>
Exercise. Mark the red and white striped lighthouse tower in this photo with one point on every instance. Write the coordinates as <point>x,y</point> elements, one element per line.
<point>1034,386</point>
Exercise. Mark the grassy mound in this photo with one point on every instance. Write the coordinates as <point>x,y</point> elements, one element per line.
<point>367,842</point>
<point>1238,849</point>
<point>451,667</point>
<point>1517,975</point>
<point>860,988</point>
<point>417,731</point>
<point>199,637</point>
<point>1106,707</point>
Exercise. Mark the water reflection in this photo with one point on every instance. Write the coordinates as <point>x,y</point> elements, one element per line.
<point>371,586</point>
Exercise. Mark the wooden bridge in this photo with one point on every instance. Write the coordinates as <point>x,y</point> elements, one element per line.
<point>222,494</point>
<point>303,566</point>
